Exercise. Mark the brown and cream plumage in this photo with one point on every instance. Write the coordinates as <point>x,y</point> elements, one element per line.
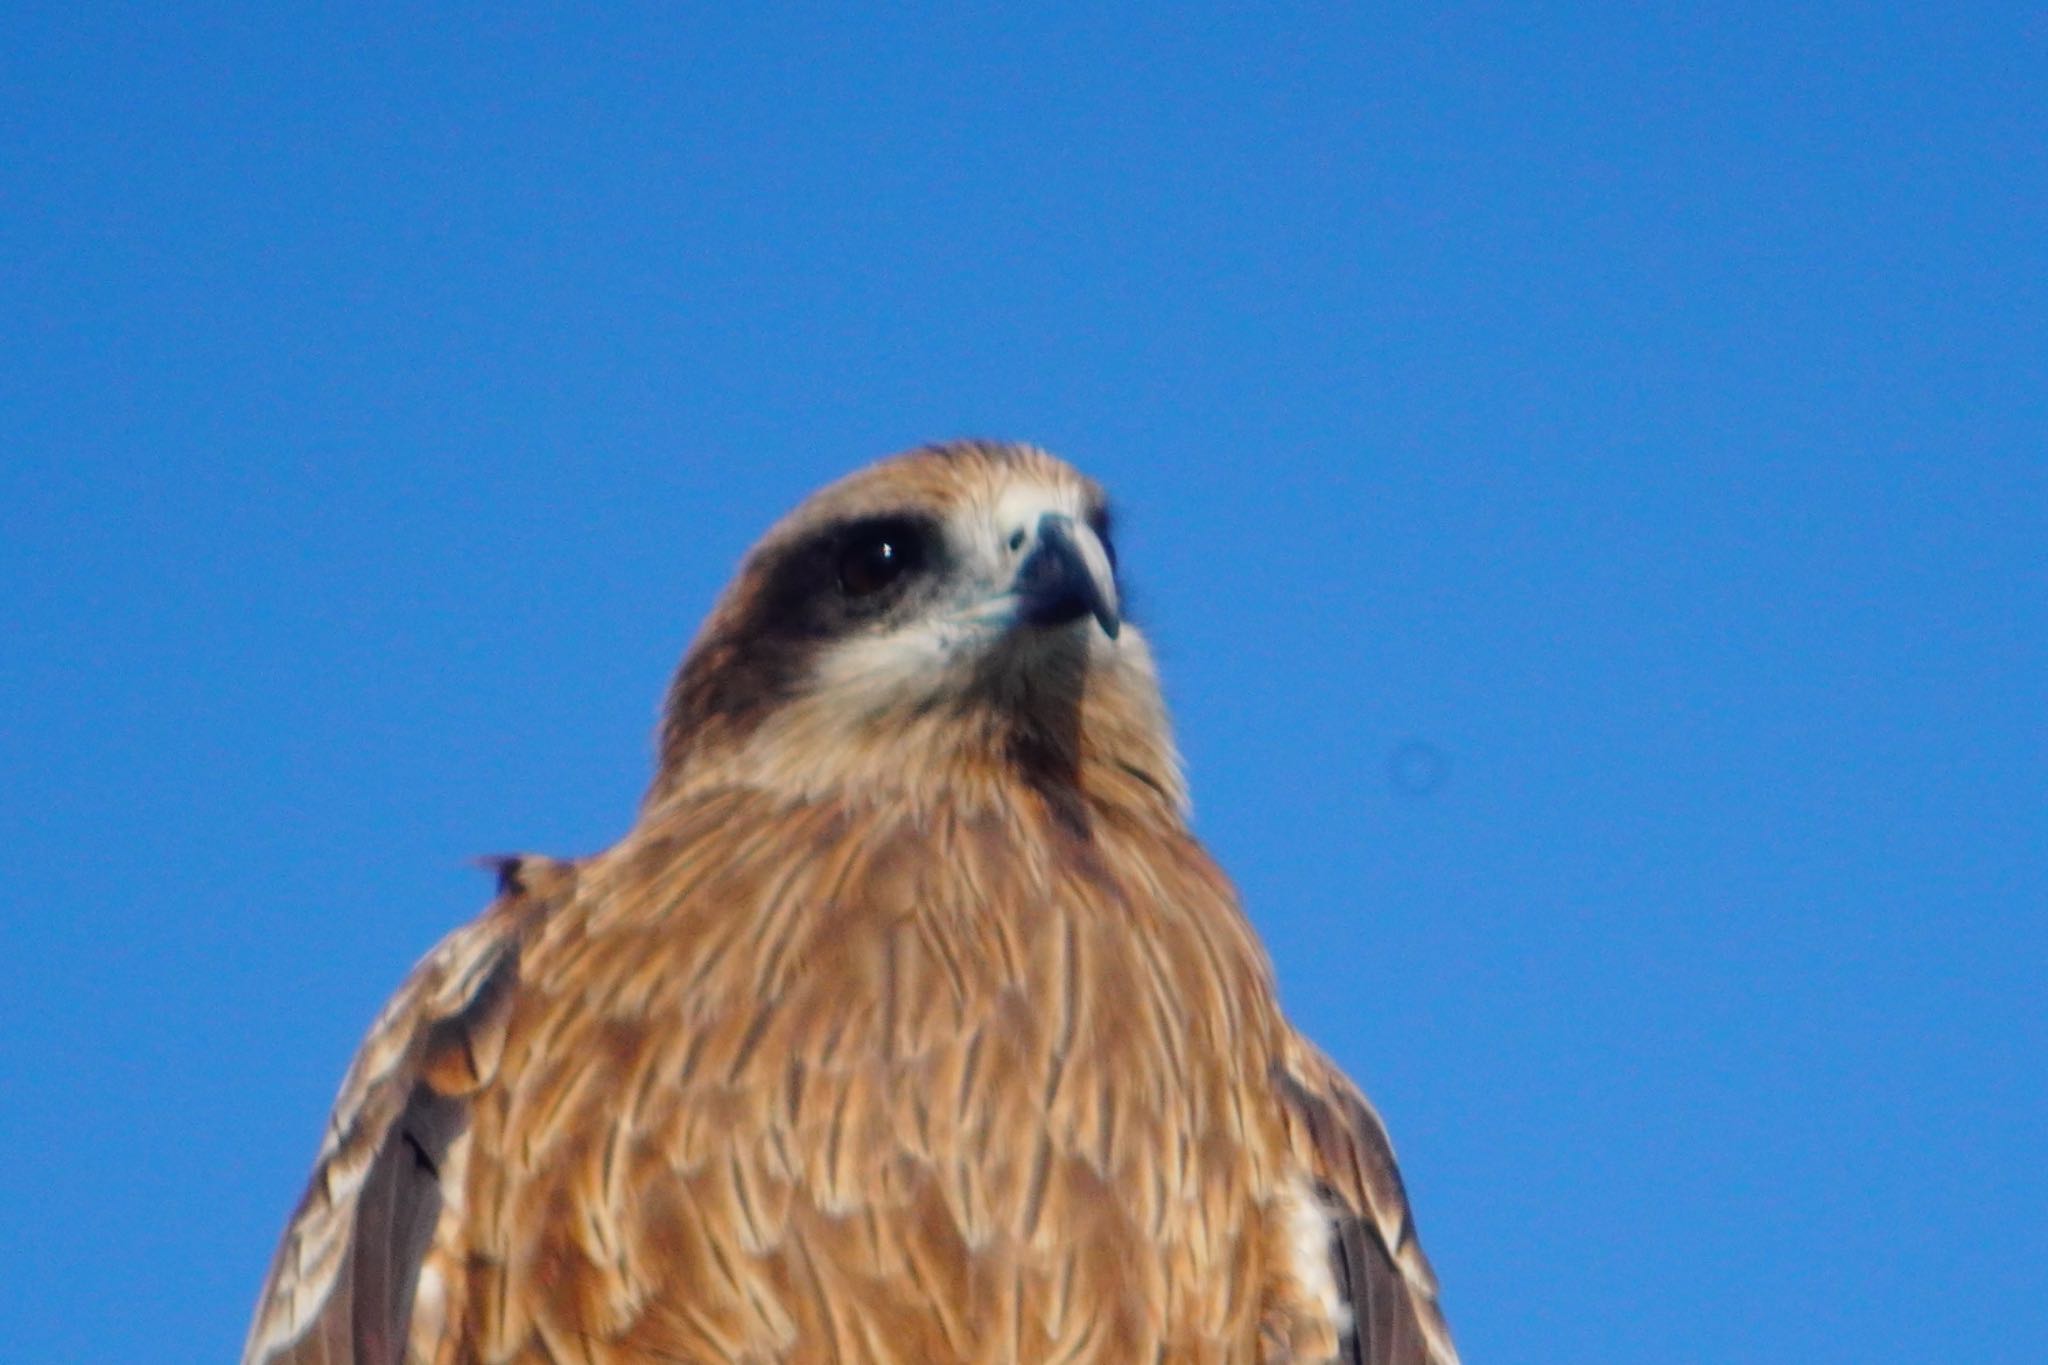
<point>908,1022</point>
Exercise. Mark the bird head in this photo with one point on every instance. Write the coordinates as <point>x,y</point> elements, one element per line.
<point>943,625</point>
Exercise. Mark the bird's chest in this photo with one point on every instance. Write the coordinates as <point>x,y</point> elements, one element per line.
<point>910,1107</point>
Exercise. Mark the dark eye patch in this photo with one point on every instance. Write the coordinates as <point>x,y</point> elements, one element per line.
<point>1101,523</point>
<point>844,575</point>
<point>794,599</point>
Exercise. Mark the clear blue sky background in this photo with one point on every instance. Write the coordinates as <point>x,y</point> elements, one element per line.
<point>1648,411</point>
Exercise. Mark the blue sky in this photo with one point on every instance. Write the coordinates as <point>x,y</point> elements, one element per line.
<point>1646,410</point>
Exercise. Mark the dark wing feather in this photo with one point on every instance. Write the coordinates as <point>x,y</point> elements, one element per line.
<point>1381,1272</point>
<point>341,1287</point>
<point>395,1217</point>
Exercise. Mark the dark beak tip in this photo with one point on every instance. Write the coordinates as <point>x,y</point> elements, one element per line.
<point>1057,585</point>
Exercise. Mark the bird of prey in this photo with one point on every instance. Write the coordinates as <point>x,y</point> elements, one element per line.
<point>907,1023</point>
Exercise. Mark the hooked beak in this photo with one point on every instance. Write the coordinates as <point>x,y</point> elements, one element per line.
<point>1067,575</point>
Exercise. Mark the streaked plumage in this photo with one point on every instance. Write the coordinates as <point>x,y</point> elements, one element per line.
<point>907,1023</point>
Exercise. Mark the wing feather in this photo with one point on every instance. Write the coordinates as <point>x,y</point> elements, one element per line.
<point>1381,1272</point>
<point>341,1286</point>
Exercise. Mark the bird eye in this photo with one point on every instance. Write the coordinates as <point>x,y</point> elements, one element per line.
<point>876,557</point>
<point>1098,522</point>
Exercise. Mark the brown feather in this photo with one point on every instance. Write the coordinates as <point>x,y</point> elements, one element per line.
<point>895,1030</point>
<point>1382,1271</point>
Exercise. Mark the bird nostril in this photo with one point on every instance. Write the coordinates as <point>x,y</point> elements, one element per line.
<point>1017,539</point>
